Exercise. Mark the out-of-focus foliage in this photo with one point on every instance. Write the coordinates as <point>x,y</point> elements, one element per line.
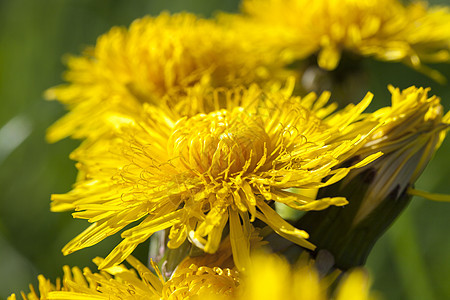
<point>412,261</point>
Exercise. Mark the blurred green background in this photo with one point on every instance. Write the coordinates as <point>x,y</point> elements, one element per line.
<point>411,261</point>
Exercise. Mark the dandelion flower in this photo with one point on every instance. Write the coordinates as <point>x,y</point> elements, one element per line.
<point>412,129</point>
<point>195,175</point>
<point>385,29</point>
<point>139,282</point>
<point>156,56</point>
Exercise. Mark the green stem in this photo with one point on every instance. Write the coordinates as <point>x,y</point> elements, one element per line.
<point>334,229</point>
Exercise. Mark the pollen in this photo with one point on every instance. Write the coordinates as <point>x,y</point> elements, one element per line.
<point>219,143</point>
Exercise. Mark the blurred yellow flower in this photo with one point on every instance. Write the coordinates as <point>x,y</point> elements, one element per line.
<point>385,29</point>
<point>156,56</point>
<point>194,175</point>
<point>273,278</point>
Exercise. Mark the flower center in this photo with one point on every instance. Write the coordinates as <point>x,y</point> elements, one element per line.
<point>219,143</point>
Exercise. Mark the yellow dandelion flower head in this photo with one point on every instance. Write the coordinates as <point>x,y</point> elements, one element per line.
<point>139,282</point>
<point>197,174</point>
<point>412,129</point>
<point>272,277</point>
<point>154,57</point>
<point>385,29</point>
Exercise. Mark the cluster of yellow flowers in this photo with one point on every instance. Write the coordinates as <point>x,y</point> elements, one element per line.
<point>385,29</point>
<point>271,277</point>
<point>200,129</point>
